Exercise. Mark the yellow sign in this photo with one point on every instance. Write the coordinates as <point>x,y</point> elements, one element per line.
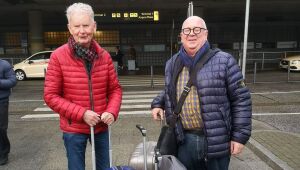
<point>131,16</point>
<point>155,16</point>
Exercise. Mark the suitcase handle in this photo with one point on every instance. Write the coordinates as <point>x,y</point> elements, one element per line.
<point>144,132</point>
<point>142,129</point>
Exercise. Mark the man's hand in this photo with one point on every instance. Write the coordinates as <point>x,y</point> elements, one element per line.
<point>236,147</point>
<point>107,118</point>
<point>157,113</point>
<point>91,118</point>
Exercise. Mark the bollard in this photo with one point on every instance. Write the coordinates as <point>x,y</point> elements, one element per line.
<point>263,62</point>
<point>289,70</point>
<point>45,70</point>
<point>151,70</point>
<point>254,73</point>
<point>116,67</point>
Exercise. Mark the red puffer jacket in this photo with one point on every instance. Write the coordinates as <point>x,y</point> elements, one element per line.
<point>68,89</point>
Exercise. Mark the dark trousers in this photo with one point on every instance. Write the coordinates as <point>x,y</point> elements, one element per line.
<point>191,153</point>
<point>75,145</point>
<point>4,142</point>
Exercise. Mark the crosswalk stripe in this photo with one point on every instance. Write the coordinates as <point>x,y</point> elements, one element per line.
<point>141,92</point>
<point>138,106</point>
<point>141,85</point>
<point>135,101</point>
<point>42,109</point>
<point>137,112</point>
<point>141,80</point>
<point>38,116</point>
<point>139,96</point>
<point>47,109</point>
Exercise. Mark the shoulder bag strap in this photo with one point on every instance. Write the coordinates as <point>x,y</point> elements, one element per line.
<point>188,86</point>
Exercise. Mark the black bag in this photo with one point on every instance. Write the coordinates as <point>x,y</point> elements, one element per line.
<point>167,142</point>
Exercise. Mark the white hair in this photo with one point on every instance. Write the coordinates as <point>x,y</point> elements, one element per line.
<point>79,8</point>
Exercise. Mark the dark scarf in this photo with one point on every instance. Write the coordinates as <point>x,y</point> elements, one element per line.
<point>189,61</point>
<point>81,52</point>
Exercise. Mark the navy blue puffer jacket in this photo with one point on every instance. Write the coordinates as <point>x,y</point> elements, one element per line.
<point>7,80</point>
<point>225,102</point>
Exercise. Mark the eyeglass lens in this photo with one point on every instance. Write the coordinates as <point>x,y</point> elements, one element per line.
<point>196,30</point>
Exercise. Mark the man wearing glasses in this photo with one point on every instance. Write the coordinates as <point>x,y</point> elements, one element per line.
<point>215,119</point>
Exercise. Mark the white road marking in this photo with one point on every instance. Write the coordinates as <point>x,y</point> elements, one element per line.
<point>141,92</point>
<point>142,85</point>
<point>138,106</point>
<point>274,114</point>
<point>20,101</point>
<point>137,100</point>
<point>277,92</point>
<point>47,109</point>
<point>139,112</point>
<point>139,96</point>
<point>42,109</point>
<point>38,116</point>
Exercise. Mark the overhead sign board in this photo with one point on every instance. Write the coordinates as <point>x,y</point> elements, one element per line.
<point>130,16</point>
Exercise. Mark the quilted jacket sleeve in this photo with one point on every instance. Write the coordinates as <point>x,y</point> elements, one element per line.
<point>159,100</point>
<point>53,92</point>
<point>240,103</point>
<point>8,79</point>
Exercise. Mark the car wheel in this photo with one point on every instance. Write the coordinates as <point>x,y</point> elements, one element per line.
<point>20,75</point>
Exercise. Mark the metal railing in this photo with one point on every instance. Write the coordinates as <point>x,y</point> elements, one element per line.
<point>275,76</point>
<point>267,60</point>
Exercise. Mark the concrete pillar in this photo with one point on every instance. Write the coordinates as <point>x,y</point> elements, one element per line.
<point>36,34</point>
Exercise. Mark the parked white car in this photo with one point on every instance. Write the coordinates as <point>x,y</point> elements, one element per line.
<point>294,63</point>
<point>33,67</point>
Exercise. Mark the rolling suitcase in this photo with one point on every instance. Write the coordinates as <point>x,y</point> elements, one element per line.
<point>143,157</point>
<point>147,157</point>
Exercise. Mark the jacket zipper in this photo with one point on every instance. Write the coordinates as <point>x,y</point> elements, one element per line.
<point>90,88</point>
<point>90,85</point>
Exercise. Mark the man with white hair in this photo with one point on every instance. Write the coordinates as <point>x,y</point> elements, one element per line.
<point>82,86</point>
<point>215,119</point>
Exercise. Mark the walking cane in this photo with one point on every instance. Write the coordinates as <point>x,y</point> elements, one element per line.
<point>93,148</point>
<point>109,145</point>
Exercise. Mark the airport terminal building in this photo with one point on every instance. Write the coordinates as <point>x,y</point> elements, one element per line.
<point>151,26</point>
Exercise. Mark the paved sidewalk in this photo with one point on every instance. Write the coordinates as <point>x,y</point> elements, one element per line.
<point>279,149</point>
<point>125,138</point>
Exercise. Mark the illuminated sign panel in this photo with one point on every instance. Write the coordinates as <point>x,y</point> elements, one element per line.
<point>130,16</point>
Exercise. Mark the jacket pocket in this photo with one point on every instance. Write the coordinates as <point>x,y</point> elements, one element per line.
<point>226,118</point>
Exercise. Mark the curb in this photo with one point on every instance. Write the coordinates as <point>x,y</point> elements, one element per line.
<point>267,156</point>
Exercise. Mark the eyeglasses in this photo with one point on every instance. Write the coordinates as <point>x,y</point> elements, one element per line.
<point>196,30</point>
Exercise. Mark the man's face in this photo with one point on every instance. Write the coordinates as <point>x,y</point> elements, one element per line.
<point>82,28</point>
<point>194,35</point>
